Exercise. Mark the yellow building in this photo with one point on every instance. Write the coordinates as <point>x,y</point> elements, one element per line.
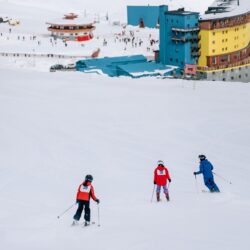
<point>225,41</point>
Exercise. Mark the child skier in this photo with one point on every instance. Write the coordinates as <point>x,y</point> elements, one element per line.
<point>161,176</point>
<point>85,191</point>
<point>206,169</point>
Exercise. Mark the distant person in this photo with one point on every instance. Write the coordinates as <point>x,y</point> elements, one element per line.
<point>84,192</point>
<point>161,176</point>
<point>206,169</point>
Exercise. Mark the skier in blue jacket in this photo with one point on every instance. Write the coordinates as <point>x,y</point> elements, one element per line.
<point>206,169</point>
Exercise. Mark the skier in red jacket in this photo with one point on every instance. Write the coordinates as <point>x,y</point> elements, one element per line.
<point>84,192</point>
<point>161,176</point>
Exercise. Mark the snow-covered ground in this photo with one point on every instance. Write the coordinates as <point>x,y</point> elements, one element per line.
<point>57,127</point>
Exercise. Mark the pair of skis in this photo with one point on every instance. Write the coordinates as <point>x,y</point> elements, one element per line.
<point>83,224</point>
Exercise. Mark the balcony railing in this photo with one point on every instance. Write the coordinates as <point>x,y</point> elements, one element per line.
<point>195,29</point>
<point>221,67</point>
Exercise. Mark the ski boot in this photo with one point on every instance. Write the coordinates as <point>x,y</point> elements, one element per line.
<point>75,223</point>
<point>167,197</point>
<point>86,223</point>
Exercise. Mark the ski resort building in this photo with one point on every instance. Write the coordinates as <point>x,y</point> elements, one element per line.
<point>179,37</point>
<point>133,66</point>
<point>225,41</point>
<point>72,28</point>
<point>144,16</point>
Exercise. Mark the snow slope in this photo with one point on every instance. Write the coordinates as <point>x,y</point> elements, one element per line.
<point>56,128</point>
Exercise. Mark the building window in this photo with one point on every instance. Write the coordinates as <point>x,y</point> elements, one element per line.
<point>213,50</point>
<point>213,33</point>
<point>232,78</point>
<point>224,59</point>
<point>213,42</point>
<point>214,60</point>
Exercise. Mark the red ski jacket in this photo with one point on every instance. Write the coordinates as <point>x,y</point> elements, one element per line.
<point>85,191</point>
<point>161,176</point>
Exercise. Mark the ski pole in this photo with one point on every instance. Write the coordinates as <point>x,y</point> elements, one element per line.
<point>64,212</point>
<point>98,210</point>
<point>196,184</point>
<point>153,193</point>
<point>222,178</point>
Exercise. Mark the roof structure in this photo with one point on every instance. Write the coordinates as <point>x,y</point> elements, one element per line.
<point>71,22</point>
<point>146,69</point>
<point>181,11</point>
<point>134,66</point>
<point>226,8</point>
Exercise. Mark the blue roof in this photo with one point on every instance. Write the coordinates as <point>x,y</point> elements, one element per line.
<point>144,69</point>
<point>144,66</point>
<point>134,66</point>
<point>100,62</point>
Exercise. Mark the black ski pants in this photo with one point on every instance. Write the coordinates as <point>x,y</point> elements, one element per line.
<point>81,205</point>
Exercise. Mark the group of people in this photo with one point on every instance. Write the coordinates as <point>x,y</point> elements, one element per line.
<point>161,178</point>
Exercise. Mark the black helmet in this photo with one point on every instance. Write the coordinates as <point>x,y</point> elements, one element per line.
<point>89,177</point>
<point>202,157</point>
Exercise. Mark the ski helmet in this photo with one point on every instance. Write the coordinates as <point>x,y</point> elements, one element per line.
<point>89,177</point>
<point>202,157</point>
<point>160,163</point>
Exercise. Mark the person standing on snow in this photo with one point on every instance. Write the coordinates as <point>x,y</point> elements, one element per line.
<point>84,192</point>
<point>161,176</point>
<point>206,169</point>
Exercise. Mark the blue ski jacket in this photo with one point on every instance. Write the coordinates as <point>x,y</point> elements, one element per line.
<point>206,169</point>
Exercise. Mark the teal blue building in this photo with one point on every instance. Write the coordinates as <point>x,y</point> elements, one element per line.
<point>144,16</point>
<point>179,37</point>
<point>135,66</point>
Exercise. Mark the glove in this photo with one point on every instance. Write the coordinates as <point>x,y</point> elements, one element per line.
<point>97,201</point>
<point>154,182</point>
<point>195,173</point>
<point>169,180</point>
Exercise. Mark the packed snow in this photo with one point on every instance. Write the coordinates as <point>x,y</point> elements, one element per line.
<point>58,127</point>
